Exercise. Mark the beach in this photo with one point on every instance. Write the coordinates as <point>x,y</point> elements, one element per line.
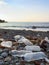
<point>34,36</point>
<point>24,32</point>
<point>9,33</point>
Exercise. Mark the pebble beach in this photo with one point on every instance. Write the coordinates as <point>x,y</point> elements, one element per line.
<point>6,34</point>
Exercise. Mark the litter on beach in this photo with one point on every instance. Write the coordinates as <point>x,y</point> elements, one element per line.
<point>23,50</point>
<point>33,48</point>
<point>22,39</point>
<point>35,56</point>
<point>19,53</point>
<point>30,56</point>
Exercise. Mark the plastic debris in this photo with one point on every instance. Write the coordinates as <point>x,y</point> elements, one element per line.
<point>35,56</point>
<point>22,39</point>
<point>33,48</point>
<point>18,52</point>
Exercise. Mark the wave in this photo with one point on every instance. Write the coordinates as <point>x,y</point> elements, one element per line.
<point>32,29</point>
<point>25,26</point>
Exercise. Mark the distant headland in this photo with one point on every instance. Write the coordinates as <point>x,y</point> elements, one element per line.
<point>3,21</point>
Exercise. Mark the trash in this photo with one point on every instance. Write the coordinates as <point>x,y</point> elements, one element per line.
<point>35,56</point>
<point>6,44</point>
<point>18,52</point>
<point>33,48</point>
<point>22,39</point>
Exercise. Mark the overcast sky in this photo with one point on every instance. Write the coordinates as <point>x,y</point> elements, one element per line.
<point>24,10</point>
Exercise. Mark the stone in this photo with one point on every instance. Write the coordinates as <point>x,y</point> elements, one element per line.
<point>4,54</point>
<point>7,44</point>
<point>1,62</point>
<point>1,51</point>
<point>6,50</point>
<point>7,59</point>
<point>1,57</point>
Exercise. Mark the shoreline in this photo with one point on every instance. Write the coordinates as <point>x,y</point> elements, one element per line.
<point>9,33</point>
<point>27,29</point>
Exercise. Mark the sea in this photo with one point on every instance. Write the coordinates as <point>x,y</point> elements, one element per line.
<point>34,26</point>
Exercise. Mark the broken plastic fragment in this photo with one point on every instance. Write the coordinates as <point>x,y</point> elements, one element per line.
<point>34,56</point>
<point>22,39</point>
<point>33,48</point>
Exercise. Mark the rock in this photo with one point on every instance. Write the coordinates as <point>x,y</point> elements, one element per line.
<point>12,62</point>
<point>4,54</point>
<point>1,39</point>
<point>46,39</point>
<point>6,63</point>
<point>1,62</point>
<point>1,57</point>
<point>7,59</point>
<point>6,44</point>
<point>6,50</point>
<point>1,51</point>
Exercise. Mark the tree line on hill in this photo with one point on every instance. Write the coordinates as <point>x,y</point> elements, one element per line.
<point>2,21</point>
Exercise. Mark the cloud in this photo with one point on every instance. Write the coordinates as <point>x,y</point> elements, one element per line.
<point>2,2</point>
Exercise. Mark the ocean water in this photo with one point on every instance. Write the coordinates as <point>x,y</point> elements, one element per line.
<point>40,26</point>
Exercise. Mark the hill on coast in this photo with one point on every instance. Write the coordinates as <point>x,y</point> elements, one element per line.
<point>2,21</point>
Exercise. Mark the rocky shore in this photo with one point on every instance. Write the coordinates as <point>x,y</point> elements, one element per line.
<point>35,37</point>
<point>8,34</point>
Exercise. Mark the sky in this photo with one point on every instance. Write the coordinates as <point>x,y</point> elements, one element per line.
<point>24,10</point>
